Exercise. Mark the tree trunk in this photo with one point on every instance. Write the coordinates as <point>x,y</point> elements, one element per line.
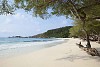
<point>83,20</point>
<point>99,38</point>
<point>88,45</point>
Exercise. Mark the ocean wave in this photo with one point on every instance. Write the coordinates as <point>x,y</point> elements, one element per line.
<point>26,44</point>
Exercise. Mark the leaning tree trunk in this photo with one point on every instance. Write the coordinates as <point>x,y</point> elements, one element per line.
<point>99,38</point>
<point>83,20</point>
<point>88,45</point>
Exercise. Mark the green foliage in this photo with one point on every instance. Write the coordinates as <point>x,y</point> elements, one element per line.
<point>76,30</point>
<point>60,7</point>
<point>6,8</point>
<point>57,33</point>
<point>92,27</point>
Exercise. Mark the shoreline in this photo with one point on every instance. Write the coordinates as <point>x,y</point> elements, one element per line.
<point>13,52</point>
<point>66,54</point>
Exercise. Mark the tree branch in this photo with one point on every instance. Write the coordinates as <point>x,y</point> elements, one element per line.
<point>88,6</point>
<point>97,17</point>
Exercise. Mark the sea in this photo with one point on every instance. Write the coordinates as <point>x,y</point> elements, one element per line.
<point>10,47</point>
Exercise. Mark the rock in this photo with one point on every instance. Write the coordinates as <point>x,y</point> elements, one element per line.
<point>90,51</point>
<point>93,52</point>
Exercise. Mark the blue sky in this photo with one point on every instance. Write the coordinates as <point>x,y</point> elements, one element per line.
<point>25,24</point>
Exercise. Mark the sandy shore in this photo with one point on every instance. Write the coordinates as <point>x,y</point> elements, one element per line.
<point>64,55</point>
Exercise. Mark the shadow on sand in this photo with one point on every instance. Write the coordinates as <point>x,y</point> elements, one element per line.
<point>72,58</point>
<point>98,50</point>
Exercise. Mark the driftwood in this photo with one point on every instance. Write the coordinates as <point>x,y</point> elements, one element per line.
<point>90,51</point>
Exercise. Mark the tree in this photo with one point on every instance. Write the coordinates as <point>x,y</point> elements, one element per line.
<point>6,8</point>
<point>73,8</point>
<point>76,30</point>
<point>92,27</point>
<point>78,9</point>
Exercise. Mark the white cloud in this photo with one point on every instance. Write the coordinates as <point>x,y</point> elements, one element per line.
<point>19,16</point>
<point>7,21</point>
<point>24,24</point>
<point>4,31</point>
<point>19,23</point>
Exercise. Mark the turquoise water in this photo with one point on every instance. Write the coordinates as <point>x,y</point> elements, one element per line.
<point>16,40</point>
<point>15,46</point>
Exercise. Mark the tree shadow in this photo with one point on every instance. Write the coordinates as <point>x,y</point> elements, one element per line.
<point>72,58</point>
<point>98,49</point>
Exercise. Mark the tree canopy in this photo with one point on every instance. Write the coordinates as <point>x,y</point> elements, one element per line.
<point>6,8</point>
<point>60,7</point>
<point>68,8</point>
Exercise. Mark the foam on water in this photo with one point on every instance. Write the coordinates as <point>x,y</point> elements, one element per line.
<point>10,47</point>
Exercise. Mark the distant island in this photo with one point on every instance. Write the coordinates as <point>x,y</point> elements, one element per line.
<point>62,32</point>
<point>18,37</point>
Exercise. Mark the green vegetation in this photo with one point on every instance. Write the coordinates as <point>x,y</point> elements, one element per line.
<point>80,10</point>
<point>56,33</point>
<point>92,27</point>
<point>6,8</point>
<point>84,12</point>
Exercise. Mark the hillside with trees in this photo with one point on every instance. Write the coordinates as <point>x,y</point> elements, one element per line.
<point>55,33</point>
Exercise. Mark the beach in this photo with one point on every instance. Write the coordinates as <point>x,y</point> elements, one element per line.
<point>66,54</point>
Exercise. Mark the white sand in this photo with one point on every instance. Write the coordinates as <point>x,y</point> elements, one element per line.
<point>63,55</point>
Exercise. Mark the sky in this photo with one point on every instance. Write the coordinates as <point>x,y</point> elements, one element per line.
<point>24,24</point>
